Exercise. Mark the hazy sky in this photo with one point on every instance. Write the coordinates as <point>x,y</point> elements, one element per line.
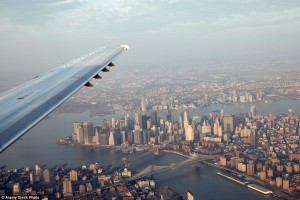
<point>37,35</point>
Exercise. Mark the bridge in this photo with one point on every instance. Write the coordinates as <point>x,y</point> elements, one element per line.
<point>153,169</point>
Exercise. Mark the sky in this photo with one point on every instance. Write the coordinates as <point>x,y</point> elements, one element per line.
<point>37,35</point>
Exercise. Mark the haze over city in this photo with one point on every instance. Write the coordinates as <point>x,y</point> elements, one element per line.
<point>209,86</point>
<point>44,34</point>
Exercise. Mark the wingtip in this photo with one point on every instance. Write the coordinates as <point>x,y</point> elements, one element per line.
<point>125,46</point>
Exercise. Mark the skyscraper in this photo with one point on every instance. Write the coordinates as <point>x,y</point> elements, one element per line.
<point>137,119</point>
<point>250,168</point>
<point>111,139</point>
<point>81,189</point>
<point>46,176</point>
<point>217,128</point>
<point>228,123</point>
<point>253,111</point>
<point>137,137</point>
<point>130,137</point>
<point>170,116</point>
<point>76,126</point>
<point>118,140</point>
<point>103,139</point>
<point>205,128</point>
<point>80,134</point>
<point>88,132</point>
<point>180,121</point>
<point>143,105</point>
<point>67,188</point>
<point>113,122</point>
<point>122,124</point>
<point>126,120</point>
<point>73,175</point>
<point>16,189</point>
<point>285,184</point>
<point>32,177</point>
<point>123,137</point>
<point>38,170</point>
<point>96,137</point>
<point>144,122</point>
<point>153,117</point>
<point>189,133</point>
<point>186,118</point>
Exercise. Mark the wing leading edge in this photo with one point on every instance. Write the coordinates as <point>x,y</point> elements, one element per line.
<point>26,105</point>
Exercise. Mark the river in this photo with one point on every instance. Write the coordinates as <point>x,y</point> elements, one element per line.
<point>38,147</point>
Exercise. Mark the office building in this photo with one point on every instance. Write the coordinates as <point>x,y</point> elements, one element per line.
<point>189,133</point>
<point>81,189</point>
<point>32,177</point>
<point>123,137</point>
<point>153,117</point>
<point>278,181</point>
<point>170,117</point>
<point>285,184</point>
<point>270,173</point>
<point>144,122</point>
<point>130,137</point>
<point>77,132</point>
<point>263,175</point>
<point>103,139</point>
<point>186,117</point>
<point>113,123</point>
<point>88,132</point>
<point>223,161</point>
<point>46,176</point>
<point>137,119</point>
<point>89,187</point>
<point>137,137</point>
<point>143,105</point>
<point>67,188</point>
<point>250,168</point>
<point>111,139</point>
<point>253,111</point>
<point>16,189</point>
<point>217,130</point>
<point>228,123</point>
<point>205,128</point>
<point>73,175</point>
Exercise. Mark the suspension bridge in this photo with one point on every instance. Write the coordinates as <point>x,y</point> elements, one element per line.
<point>153,169</point>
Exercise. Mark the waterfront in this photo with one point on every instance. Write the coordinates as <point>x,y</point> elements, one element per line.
<point>38,147</point>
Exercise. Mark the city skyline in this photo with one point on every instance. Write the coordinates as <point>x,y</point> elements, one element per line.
<point>161,33</point>
<point>212,81</point>
<point>281,173</point>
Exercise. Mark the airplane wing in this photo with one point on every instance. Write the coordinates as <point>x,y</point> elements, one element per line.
<point>23,107</point>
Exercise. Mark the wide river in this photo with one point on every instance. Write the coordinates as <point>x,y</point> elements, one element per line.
<point>38,147</point>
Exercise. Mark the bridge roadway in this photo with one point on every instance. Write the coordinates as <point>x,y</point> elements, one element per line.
<point>151,169</point>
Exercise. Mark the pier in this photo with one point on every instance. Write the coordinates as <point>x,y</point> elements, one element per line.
<point>252,186</point>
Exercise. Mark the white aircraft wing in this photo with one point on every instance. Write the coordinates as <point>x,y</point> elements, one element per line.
<point>23,107</point>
